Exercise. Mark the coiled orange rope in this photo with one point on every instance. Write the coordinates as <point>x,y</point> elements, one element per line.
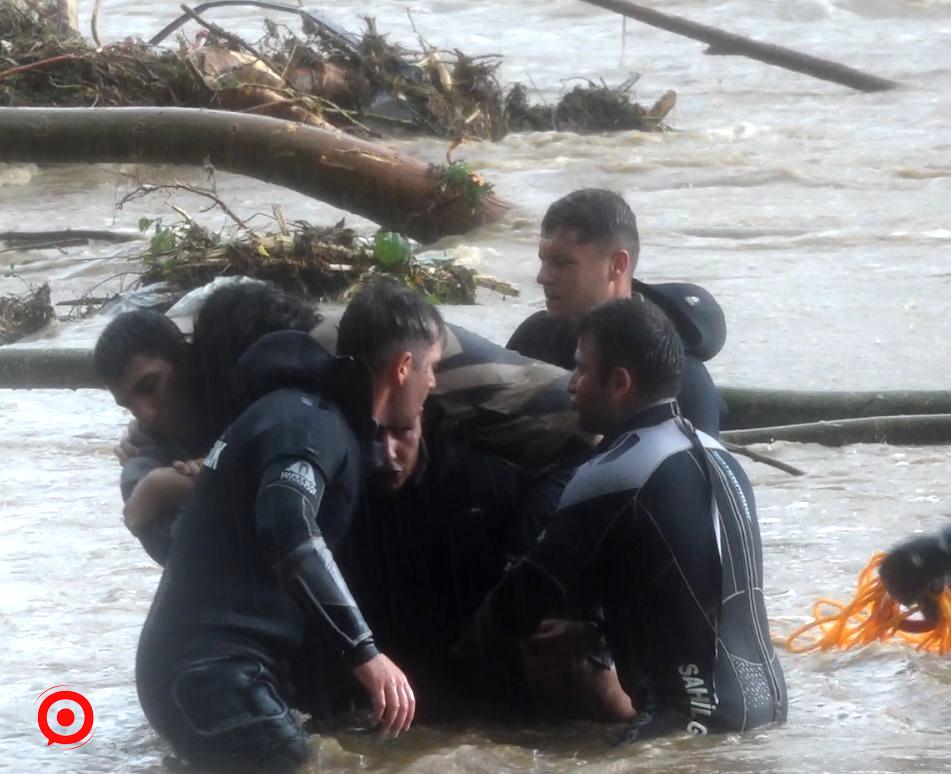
<point>873,616</point>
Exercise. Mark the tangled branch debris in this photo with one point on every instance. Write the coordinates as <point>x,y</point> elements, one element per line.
<point>320,76</point>
<point>24,314</point>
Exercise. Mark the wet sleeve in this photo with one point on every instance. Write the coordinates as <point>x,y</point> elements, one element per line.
<point>539,501</point>
<point>138,467</point>
<point>290,507</point>
<point>564,558</point>
<point>156,538</point>
<point>699,401</point>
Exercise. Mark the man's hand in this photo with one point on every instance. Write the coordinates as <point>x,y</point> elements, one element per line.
<point>190,468</point>
<point>131,442</point>
<point>157,496</point>
<point>394,704</point>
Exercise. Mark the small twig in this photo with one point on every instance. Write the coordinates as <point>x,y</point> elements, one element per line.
<point>53,243</point>
<point>735,448</point>
<point>38,64</point>
<point>145,190</point>
<point>94,23</point>
<point>24,238</point>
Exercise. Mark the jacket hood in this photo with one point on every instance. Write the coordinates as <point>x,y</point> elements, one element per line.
<point>293,359</point>
<point>695,314</point>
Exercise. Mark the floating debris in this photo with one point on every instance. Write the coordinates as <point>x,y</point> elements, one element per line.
<point>24,314</point>
<point>322,77</point>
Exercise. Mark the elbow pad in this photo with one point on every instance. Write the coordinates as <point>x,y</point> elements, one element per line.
<point>289,500</point>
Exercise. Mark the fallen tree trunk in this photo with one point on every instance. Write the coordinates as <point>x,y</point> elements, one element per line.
<point>398,192</point>
<point>727,44</point>
<point>910,430</point>
<point>46,369</point>
<point>764,408</point>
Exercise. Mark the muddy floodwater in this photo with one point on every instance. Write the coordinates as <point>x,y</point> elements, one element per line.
<point>818,217</point>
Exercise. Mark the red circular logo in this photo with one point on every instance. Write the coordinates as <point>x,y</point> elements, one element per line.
<point>72,732</point>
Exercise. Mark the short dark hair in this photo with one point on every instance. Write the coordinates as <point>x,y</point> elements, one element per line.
<point>634,334</point>
<point>230,320</point>
<point>385,317</point>
<point>139,332</point>
<point>598,215</point>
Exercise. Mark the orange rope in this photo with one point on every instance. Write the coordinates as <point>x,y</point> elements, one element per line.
<point>871,616</point>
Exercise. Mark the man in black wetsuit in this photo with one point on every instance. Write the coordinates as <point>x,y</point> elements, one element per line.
<point>660,529</point>
<point>251,571</point>
<point>588,251</point>
<point>142,357</point>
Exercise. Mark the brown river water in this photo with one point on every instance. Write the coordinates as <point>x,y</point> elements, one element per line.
<point>817,216</point>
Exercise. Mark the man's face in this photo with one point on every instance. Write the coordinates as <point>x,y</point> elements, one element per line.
<point>149,389</point>
<point>408,396</point>
<point>401,447</point>
<point>591,397</point>
<point>574,275</point>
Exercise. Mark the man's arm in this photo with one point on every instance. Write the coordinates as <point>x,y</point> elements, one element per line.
<point>289,510</point>
<point>152,491</point>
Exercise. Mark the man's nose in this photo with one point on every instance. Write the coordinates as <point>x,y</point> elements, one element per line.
<point>544,275</point>
<point>573,383</point>
<point>390,447</point>
<point>145,413</point>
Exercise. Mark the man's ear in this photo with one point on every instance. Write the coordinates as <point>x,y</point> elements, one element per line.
<point>622,383</point>
<point>621,264</point>
<point>400,366</point>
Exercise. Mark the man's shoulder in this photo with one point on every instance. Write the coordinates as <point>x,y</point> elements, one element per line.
<point>545,338</point>
<point>291,412</point>
<point>627,465</point>
<point>533,325</point>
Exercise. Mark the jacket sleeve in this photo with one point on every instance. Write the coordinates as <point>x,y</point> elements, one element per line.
<point>562,561</point>
<point>156,538</point>
<point>292,514</point>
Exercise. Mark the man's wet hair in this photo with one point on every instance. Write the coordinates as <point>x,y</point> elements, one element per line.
<point>139,332</point>
<point>634,334</point>
<point>597,215</point>
<point>230,320</point>
<point>385,318</point>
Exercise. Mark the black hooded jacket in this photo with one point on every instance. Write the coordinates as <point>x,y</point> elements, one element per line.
<point>698,319</point>
<point>251,568</point>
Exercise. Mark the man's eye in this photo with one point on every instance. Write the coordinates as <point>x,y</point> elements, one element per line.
<point>146,386</point>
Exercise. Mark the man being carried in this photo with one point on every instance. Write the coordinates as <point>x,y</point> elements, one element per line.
<point>251,572</point>
<point>142,357</point>
<point>588,252</point>
<point>660,529</point>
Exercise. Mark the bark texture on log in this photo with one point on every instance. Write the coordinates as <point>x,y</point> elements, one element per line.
<point>729,44</point>
<point>764,408</point>
<point>912,430</point>
<point>41,369</point>
<point>398,192</point>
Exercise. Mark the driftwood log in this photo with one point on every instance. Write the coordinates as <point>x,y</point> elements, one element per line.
<point>908,430</point>
<point>52,368</point>
<point>727,44</point>
<point>398,192</point>
<point>766,408</point>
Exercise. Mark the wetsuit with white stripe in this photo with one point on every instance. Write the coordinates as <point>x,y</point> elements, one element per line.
<point>677,566</point>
